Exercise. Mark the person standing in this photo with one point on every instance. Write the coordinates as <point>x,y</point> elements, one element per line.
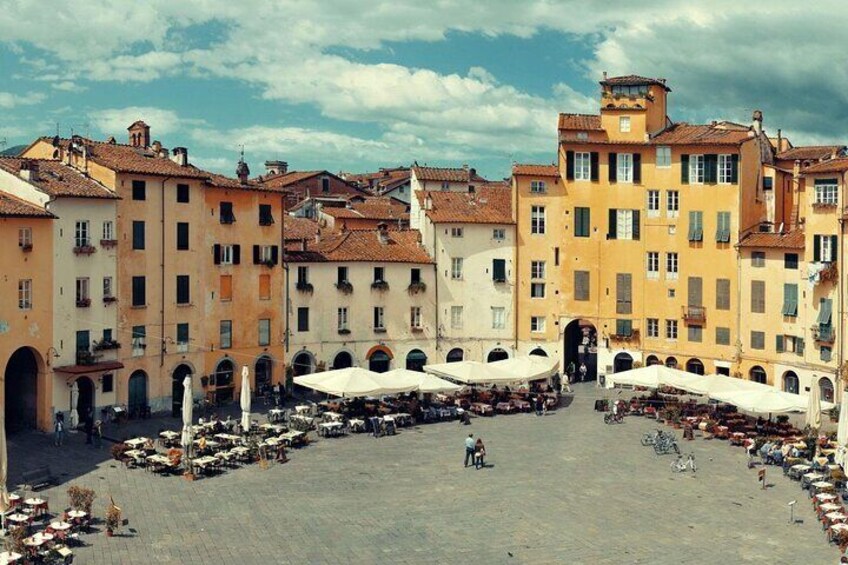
<point>540,403</point>
<point>479,454</point>
<point>59,429</point>
<point>569,371</point>
<point>583,371</point>
<point>469,449</point>
<point>98,434</point>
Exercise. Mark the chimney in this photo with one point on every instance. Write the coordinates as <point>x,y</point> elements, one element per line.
<point>757,122</point>
<point>276,167</point>
<point>157,147</point>
<point>383,233</point>
<point>242,171</point>
<point>180,156</point>
<point>605,75</point>
<point>472,172</point>
<point>779,140</point>
<point>139,134</point>
<point>29,170</point>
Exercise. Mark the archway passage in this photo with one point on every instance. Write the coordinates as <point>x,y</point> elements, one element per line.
<point>671,362</point>
<point>263,371</point>
<point>21,391</point>
<point>622,362</point>
<point>540,352</point>
<point>695,366</point>
<point>497,354</point>
<point>790,382</point>
<point>455,355</point>
<point>652,360</point>
<point>85,399</point>
<point>224,381</point>
<point>415,360</point>
<point>137,394</point>
<point>177,378</point>
<point>302,364</point>
<point>379,362</point>
<point>342,360</point>
<point>757,374</point>
<point>581,348</point>
<point>826,389</point>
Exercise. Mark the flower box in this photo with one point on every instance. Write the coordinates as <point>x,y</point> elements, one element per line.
<point>344,287</point>
<point>84,303</point>
<point>85,250</point>
<point>305,287</point>
<point>110,299</point>
<point>380,285</point>
<point>108,242</point>
<point>26,248</point>
<point>416,287</point>
<point>344,331</point>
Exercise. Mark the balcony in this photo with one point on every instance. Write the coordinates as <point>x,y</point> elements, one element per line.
<point>25,247</point>
<point>85,249</point>
<point>344,331</point>
<point>823,334</point>
<point>694,315</point>
<point>105,345</point>
<point>632,336</point>
<point>109,299</point>
<point>108,243</point>
<point>382,286</point>
<point>85,357</point>
<point>83,302</point>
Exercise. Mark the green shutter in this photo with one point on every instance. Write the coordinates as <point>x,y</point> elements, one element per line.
<point>613,224</point>
<point>790,300</point>
<point>817,248</point>
<point>636,219</point>
<point>613,167</point>
<point>734,169</point>
<point>594,165</point>
<point>637,168</point>
<point>684,169</point>
<point>824,312</point>
<point>778,343</point>
<point>710,168</point>
<point>569,165</point>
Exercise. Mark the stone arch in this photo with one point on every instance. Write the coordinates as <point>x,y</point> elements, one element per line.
<point>497,354</point>
<point>791,383</point>
<point>695,366</point>
<point>758,374</point>
<point>455,355</point>
<point>24,370</point>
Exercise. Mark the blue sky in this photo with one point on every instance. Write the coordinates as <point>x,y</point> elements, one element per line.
<point>354,85</point>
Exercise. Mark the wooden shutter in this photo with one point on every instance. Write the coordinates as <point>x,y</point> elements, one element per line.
<point>569,165</point>
<point>578,222</point>
<point>581,285</point>
<point>613,167</point>
<point>758,297</point>
<point>734,169</point>
<point>833,252</point>
<point>275,254</point>
<point>499,270</point>
<point>817,248</point>
<point>824,316</point>
<point>623,293</point>
<point>710,168</point>
<point>226,287</point>
<point>684,169</point>
<point>264,286</point>
<point>256,255</point>
<point>695,291</point>
<point>636,217</point>
<point>216,254</point>
<point>790,300</point>
<point>722,294</point>
<point>779,343</point>
<point>637,168</point>
<point>594,160</point>
<point>613,224</point>
<point>236,254</point>
<point>303,319</point>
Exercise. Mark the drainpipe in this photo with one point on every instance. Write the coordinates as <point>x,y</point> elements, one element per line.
<point>436,279</point>
<point>284,261</point>
<point>162,272</point>
<point>840,266</point>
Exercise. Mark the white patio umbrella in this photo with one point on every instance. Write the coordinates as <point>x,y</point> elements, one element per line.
<point>73,417</point>
<point>766,401</point>
<point>472,372</point>
<point>423,382</point>
<point>4,463</point>
<point>528,367</point>
<point>842,429</point>
<point>814,406</point>
<point>245,398</point>
<point>187,436</point>
<point>655,376</point>
<point>353,382</point>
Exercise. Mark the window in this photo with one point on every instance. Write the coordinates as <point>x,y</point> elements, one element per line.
<point>266,218</point>
<point>303,319</point>
<point>264,287</point>
<point>108,382</point>
<point>445,185</point>
<point>266,254</point>
<point>109,230</point>
<point>537,324</point>
<point>226,334</point>
<point>825,353</point>
<point>790,260</point>
<point>722,336</point>
<point>723,227</point>
<point>653,203</point>
<point>379,274</point>
<point>537,290</point>
<point>623,293</point>
<point>82,236</point>
<point>499,270</point>
<point>537,270</point>
<point>824,248</point>
<point>183,289</point>
<point>456,317</point>
<point>671,266</point>
<point>182,236</point>
<point>790,300</point>
<point>695,291</point>
<point>226,288</point>
<point>139,190</point>
<point>758,340</point>
<point>625,167</point>
<point>653,327</point>
<point>537,220</point>
<point>226,214</point>
<point>379,318</point>
<point>341,275</point>
<point>342,319</point>
<point>415,317</point>
<point>325,185</point>
<point>758,259</point>
<point>228,254</point>
<point>758,297</point>
<point>25,294</point>
<point>456,268</point>
<point>768,183</point>
<point>138,235</point>
<point>581,221</point>
<point>671,329</point>
<point>264,331</point>
<point>653,265</point>
<point>182,338</point>
<point>537,186</point>
<point>623,224</point>
<point>624,124</point>
<point>182,193</point>
<point>498,318</point>
<point>695,334</point>
<point>663,157</point>
<point>556,256</point>
<point>139,291</point>
<point>414,276</point>
<point>139,340</point>
<point>107,287</point>
<point>456,232</point>
<point>581,285</point>
<point>582,166</point>
<point>725,169</point>
<point>696,169</point>
<point>696,226</point>
<point>499,234</point>
<point>722,294</point>
<point>826,192</point>
<point>302,275</point>
<point>672,203</point>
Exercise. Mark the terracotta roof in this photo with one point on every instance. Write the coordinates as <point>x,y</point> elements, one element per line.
<point>371,209</point>
<point>535,170</point>
<point>382,179</point>
<point>690,134</point>
<point>221,181</point>
<point>790,240</point>
<point>583,122</point>
<point>94,368</point>
<point>288,178</point>
<point>57,179</point>
<point>810,152</point>
<point>364,245</point>
<point>12,206</point>
<point>489,205</point>
<point>633,80</point>
<point>299,228</point>
<point>831,166</point>
<point>447,174</point>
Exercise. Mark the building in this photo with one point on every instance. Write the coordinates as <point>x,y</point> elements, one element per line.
<point>365,214</point>
<point>300,185</point>
<point>423,179</point>
<point>390,182</point>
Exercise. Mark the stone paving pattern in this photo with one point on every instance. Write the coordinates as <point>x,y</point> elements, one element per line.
<point>565,488</point>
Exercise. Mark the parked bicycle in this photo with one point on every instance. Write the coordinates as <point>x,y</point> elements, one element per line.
<point>665,445</point>
<point>613,418</point>
<point>681,464</point>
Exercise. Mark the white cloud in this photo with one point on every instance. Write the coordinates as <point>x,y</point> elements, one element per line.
<point>68,86</point>
<point>114,121</point>
<point>9,100</point>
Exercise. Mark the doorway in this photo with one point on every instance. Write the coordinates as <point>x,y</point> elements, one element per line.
<point>379,362</point>
<point>497,354</point>
<point>622,362</point>
<point>137,394</point>
<point>21,385</point>
<point>85,398</point>
<point>581,347</point>
<point>177,378</point>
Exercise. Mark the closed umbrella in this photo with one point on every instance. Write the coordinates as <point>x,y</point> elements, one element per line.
<point>187,436</point>
<point>814,406</point>
<point>842,430</point>
<point>74,416</point>
<point>4,463</point>
<point>245,398</point>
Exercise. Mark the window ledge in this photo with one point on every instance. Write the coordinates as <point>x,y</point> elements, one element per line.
<point>379,330</point>
<point>187,305</point>
<point>138,307</point>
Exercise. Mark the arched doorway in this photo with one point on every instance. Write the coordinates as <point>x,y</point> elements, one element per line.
<point>342,360</point>
<point>790,382</point>
<point>671,362</point>
<point>302,364</point>
<point>224,380</point>
<point>85,398</point>
<point>21,391</point>
<point>540,352</point>
<point>177,378</point>
<point>137,394</point>
<point>622,362</point>
<point>652,360</point>
<point>379,361</point>
<point>757,374</point>
<point>695,366</point>
<point>497,354</point>
<point>415,360</point>
<point>263,371</point>
<point>455,355</point>
<point>581,347</point>
<point>826,389</point>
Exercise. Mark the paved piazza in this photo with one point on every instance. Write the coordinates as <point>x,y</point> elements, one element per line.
<point>560,489</point>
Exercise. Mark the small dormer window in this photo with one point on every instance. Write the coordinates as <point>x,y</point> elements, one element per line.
<point>325,185</point>
<point>582,135</point>
<point>445,185</point>
<point>624,124</point>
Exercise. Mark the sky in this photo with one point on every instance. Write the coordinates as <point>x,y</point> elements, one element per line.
<point>353,85</point>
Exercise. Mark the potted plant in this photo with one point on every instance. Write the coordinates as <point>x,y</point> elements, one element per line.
<point>15,541</point>
<point>303,286</point>
<point>117,450</point>
<point>344,287</point>
<point>416,287</point>
<point>81,498</point>
<point>113,519</point>
<point>380,285</point>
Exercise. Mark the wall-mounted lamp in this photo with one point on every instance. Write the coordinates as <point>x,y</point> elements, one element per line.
<point>49,355</point>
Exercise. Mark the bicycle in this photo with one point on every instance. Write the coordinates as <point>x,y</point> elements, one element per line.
<point>610,418</point>
<point>653,437</point>
<point>680,464</point>
<point>666,445</point>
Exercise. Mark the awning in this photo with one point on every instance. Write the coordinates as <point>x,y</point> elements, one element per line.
<point>93,368</point>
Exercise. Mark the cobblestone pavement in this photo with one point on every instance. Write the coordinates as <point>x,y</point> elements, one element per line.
<point>564,488</point>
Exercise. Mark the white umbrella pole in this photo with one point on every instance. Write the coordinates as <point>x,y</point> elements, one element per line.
<point>4,464</point>
<point>245,399</point>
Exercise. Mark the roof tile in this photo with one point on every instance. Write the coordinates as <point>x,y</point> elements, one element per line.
<point>830,166</point>
<point>583,122</point>
<point>535,170</point>
<point>12,206</point>
<point>489,205</point>
<point>810,152</point>
<point>402,246</point>
<point>789,240</point>
<point>57,179</point>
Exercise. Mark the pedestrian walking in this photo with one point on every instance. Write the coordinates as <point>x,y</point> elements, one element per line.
<point>479,454</point>
<point>59,429</point>
<point>569,371</point>
<point>583,371</point>
<point>89,426</point>
<point>98,434</point>
<point>469,449</point>
<point>540,403</point>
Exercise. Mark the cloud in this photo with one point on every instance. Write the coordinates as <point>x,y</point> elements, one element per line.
<point>68,86</point>
<point>114,121</point>
<point>9,100</point>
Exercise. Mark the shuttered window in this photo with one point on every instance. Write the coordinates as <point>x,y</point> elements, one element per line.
<point>695,334</point>
<point>825,312</point>
<point>303,319</point>
<point>722,294</point>
<point>758,340</point>
<point>624,328</point>
<point>623,293</point>
<point>581,285</point>
<point>139,291</point>
<point>780,343</point>
<point>226,287</point>
<point>581,221</point>
<point>723,227</point>
<point>790,299</point>
<point>499,270</point>
<point>696,226</point>
<point>182,236</point>
<point>722,336</point>
<point>138,235</point>
<point>758,297</point>
<point>824,248</point>
<point>183,289</point>
<point>264,287</point>
<point>696,291</point>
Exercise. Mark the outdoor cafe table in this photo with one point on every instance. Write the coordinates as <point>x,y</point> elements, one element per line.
<point>830,507</point>
<point>481,408</point>
<point>60,526</point>
<point>77,516</point>
<point>272,428</point>
<point>226,438</point>
<point>136,442</point>
<point>203,463</point>
<point>18,518</point>
<point>38,539</point>
<point>303,409</point>
<point>402,419</point>
<point>169,436</point>
<point>210,443</point>
<point>290,438</point>
<point>836,528</point>
<point>273,441</point>
<point>504,407</point>
<point>822,486</point>
<point>14,499</point>
<point>38,505</point>
<point>357,425</point>
<point>9,557</point>
<point>330,428</point>
<point>836,516</point>
<point>158,462</point>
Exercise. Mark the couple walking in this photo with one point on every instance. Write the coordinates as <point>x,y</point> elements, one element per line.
<point>475,451</point>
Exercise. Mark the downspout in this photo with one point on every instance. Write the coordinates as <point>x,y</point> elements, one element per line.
<point>162,272</point>
<point>515,267</point>
<point>286,306</point>
<point>841,264</point>
<point>436,273</point>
